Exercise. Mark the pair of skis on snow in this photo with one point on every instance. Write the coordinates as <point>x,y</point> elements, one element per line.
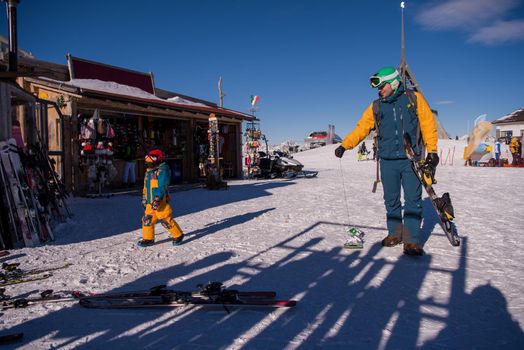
<point>213,293</point>
<point>12,274</point>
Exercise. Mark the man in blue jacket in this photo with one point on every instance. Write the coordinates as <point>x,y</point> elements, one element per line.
<point>395,114</point>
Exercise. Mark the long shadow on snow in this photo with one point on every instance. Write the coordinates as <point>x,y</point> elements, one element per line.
<point>216,227</point>
<point>430,221</point>
<point>364,302</point>
<point>347,299</point>
<point>121,214</point>
<point>477,320</point>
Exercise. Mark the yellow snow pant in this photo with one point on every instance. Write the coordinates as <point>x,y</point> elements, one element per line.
<point>164,215</point>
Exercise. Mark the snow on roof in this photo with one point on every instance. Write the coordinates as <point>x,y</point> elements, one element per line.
<point>120,89</point>
<point>183,101</point>
<point>111,87</point>
<point>516,116</point>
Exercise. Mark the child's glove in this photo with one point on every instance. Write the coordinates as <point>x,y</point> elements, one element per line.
<point>156,203</point>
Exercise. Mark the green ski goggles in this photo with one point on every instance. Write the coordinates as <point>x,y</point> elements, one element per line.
<point>379,81</point>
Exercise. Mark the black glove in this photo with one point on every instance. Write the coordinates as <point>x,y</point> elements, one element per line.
<point>432,160</point>
<point>339,151</point>
<point>430,167</point>
<point>156,203</point>
<point>144,202</point>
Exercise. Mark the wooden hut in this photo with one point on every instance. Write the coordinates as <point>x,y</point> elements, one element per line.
<point>133,109</point>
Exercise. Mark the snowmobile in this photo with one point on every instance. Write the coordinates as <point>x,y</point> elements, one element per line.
<point>278,165</point>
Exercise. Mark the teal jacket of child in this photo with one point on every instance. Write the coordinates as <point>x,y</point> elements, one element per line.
<point>156,182</point>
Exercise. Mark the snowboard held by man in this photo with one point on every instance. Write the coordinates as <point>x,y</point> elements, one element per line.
<point>400,112</point>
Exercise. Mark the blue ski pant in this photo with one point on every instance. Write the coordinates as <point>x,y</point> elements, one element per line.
<point>397,174</point>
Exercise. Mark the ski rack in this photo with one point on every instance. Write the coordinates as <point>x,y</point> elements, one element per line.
<point>253,136</point>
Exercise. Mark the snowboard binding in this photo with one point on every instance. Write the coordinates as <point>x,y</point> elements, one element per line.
<point>428,173</point>
<point>355,239</point>
<point>445,207</point>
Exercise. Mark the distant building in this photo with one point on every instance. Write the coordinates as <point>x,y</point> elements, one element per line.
<point>511,125</point>
<point>320,138</point>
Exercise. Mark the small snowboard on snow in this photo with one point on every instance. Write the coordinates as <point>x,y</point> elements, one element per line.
<point>355,238</point>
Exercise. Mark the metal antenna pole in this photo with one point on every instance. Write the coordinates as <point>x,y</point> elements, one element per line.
<point>402,46</point>
<point>407,75</point>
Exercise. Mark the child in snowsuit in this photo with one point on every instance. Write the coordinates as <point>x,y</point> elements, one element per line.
<point>155,201</point>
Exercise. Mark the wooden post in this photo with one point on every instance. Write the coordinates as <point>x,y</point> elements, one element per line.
<point>238,149</point>
<point>192,171</point>
<point>140,172</point>
<point>220,93</point>
<point>5,111</point>
<point>71,151</point>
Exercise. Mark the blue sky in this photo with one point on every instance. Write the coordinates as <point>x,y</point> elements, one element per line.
<point>309,61</point>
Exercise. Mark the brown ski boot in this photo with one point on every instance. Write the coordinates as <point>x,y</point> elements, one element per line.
<point>391,241</point>
<point>413,249</point>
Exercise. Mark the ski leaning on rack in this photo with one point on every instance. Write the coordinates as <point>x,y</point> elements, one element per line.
<point>159,297</point>
<point>442,204</point>
<point>16,192</point>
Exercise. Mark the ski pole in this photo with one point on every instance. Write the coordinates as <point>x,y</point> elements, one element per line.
<point>344,187</point>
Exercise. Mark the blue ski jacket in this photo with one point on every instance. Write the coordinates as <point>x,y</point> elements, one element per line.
<point>396,117</point>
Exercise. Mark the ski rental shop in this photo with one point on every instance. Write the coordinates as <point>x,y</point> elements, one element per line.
<point>110,115</point>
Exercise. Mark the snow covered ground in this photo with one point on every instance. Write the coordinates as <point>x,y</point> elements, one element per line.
<point>286,235</point>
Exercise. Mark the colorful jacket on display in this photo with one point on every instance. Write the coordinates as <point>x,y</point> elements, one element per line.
<point>514,146</point>
<point>156,181</point>
<point>396,117</point>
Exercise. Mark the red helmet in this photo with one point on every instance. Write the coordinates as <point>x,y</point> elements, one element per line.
<point>154,156</point>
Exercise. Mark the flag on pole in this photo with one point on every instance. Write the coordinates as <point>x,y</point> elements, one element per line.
<point>254,100</point>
